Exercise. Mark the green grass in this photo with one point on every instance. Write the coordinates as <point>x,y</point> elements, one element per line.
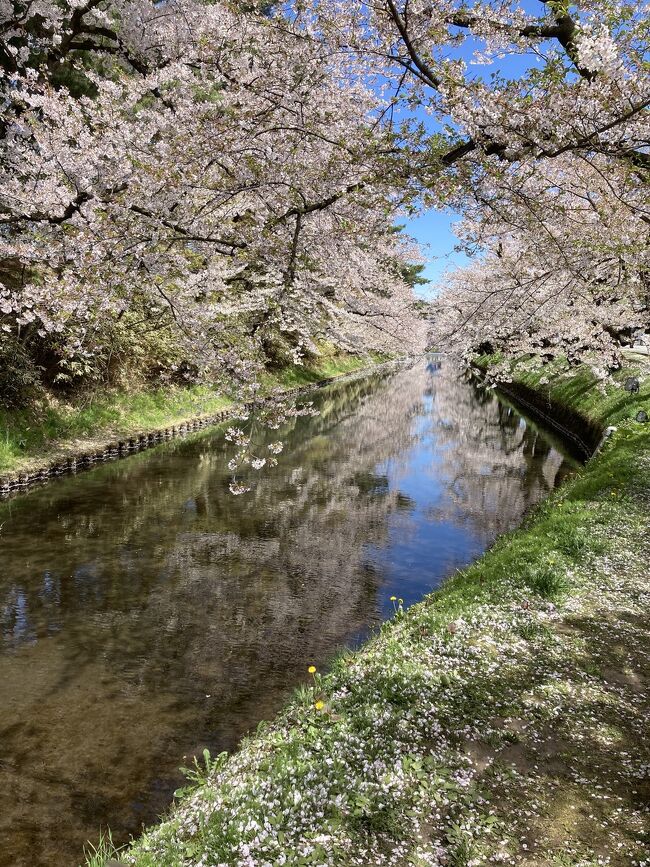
<point>36,433</point>
<point>476,726</point>
<point>103,851</point>
<point>27,433</point>
<point>326,367</point>
<point>579,390</point>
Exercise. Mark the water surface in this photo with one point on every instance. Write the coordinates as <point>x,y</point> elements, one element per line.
<point>145,612</point>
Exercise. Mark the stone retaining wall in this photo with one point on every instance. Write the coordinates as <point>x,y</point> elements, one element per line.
<point>583,434</point>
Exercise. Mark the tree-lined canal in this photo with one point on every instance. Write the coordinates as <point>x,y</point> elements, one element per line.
<point>145,612</point>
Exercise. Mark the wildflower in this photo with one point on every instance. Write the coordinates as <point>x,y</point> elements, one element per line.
<point>319,705</point>
<point>312,669</point>
<point>393,598</point>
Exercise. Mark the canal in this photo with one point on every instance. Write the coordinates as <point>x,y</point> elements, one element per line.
<point>146,613</point>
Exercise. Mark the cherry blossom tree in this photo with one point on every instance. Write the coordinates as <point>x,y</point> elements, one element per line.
<point>195,168</point>
<point>563,269</point>
<point>548,165</point>
<point>231,174</point>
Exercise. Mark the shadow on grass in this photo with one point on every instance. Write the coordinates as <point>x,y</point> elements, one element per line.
<point>563,765</point>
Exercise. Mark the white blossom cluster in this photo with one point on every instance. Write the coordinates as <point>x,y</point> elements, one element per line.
<point>548,164</point>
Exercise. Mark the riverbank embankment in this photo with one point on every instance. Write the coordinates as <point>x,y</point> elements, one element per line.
<point>503,720</point>
<point>51,438</point>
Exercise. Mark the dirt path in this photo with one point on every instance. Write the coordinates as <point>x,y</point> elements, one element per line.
<point>569,771</point>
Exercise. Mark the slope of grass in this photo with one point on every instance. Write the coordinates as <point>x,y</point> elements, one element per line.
<point>499,721</point>
<point>30,433</point>
<point>36,434</point>
<point>579,390</point>
<point>327,367</point>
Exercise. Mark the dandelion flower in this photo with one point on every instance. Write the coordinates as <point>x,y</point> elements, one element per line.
<point>312,669</point>
<point>393,598</point>
<point>319,705</point>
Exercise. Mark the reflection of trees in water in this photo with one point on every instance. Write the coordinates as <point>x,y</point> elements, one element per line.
<point>130,530</point>
<point>496,466</point>
<point>145,611</point>
<point>284,568</point>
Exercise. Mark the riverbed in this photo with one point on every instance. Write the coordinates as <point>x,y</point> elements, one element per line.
<point>146,612</point>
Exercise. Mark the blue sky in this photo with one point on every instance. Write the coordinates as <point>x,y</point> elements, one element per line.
<point>434,230</point>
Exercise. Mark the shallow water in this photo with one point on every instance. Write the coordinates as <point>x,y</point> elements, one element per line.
<point>146,613</point>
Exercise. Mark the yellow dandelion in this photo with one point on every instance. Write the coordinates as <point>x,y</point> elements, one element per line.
<point>393,598</point>
<point>319,705</point>
<point>312,669</point>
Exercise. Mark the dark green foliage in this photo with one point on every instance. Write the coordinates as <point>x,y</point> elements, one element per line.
<point>19,374</point>
<point>412,275</point>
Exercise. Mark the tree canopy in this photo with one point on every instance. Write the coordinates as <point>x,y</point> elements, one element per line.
<point>229,175</point>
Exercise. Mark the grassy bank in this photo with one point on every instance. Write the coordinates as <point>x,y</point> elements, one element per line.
<point>500,721</point>
<point>51,428</point>
<point>578,390</point>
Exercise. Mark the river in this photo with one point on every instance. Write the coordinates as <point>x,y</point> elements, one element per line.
<point>146,613</point>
